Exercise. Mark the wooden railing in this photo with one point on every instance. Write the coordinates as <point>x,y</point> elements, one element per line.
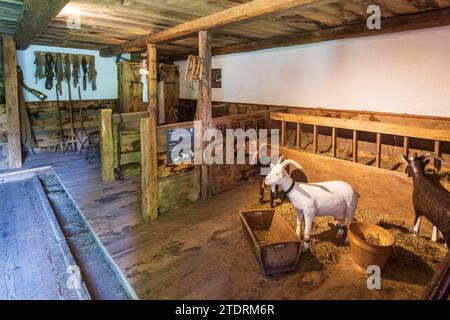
<point>379,128</point>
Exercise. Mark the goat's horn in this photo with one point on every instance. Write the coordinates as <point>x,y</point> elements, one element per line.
<point>289,161</point>
<point>432,155</point>
<point>281,159</point>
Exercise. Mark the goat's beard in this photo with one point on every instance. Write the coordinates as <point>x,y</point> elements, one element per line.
<point>272,187</point>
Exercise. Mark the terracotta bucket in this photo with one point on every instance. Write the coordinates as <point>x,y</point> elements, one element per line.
<point>366,252</point>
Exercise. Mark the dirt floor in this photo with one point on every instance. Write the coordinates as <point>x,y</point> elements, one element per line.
<point>408,270</point>
<point>200,251</point>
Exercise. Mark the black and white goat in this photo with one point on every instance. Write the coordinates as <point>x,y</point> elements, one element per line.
<point>429,200</point>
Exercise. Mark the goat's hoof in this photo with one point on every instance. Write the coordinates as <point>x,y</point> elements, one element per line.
<point>339,235</point>
<point>305,247</point>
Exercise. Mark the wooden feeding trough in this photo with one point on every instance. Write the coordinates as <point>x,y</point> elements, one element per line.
<point>276,246</point>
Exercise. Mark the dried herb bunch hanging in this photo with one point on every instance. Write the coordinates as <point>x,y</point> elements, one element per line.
<point>49,71</point>
<point>59,71</point>
<point>62,66</point>
<point>92,73</point>
<point>39,62</point>
<point>75,70</point>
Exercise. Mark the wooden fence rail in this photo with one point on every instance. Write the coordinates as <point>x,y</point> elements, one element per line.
<point>379,128</point>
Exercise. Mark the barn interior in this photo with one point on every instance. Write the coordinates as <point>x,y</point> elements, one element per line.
<point>93,204</point>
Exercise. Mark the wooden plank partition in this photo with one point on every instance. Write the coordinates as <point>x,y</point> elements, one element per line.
<point>379,128</point>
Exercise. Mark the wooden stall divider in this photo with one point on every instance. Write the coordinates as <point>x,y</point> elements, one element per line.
<point>106,145</point>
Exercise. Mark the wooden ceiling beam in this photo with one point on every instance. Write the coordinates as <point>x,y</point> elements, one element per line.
<point>237,14</point>
<point>36,15</point>
<point>424,20</point>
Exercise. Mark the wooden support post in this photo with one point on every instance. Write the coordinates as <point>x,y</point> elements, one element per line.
<point>315,138</point>
<point>149,165</point>
<point>355,146</point>
<point>406,146</point>
<point>299,135</point>
<point>204,103</point>
<point>149,148</point>
<point>378,151</point>
<point>152,82</point>
<point>283,134</point>
<point>437,150</point>
<point>12,103</point>
<point>107,145</point>
<point>333,142</point>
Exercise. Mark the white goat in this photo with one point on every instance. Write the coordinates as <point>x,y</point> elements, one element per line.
<point>335,198</point>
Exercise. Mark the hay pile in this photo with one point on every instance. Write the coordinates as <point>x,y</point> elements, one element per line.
<point>412,252</point>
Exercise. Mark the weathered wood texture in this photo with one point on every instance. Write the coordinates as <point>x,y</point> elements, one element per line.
<point>169,91</point>
<point>149,162</point>
<point>107,23</point>
<point>152,83</point>
<point>106,146</point>
<point>130,88</point>
<point>234,15</point>
<point>45,124</point>
<point>35,255</point>
<point>2,75</point>
<point>171,258</point>
<point>3,138</point>
<point>36,15</point>
<point>204,104</point>
<point>12,103</point>
<point>389,25</point>
<point>412,131</point>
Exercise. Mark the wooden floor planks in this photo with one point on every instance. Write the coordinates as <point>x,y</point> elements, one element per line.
<point>34,253</point>
<point>195,252</point>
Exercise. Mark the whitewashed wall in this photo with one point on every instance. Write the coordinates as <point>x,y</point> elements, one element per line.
<point>106,75</point>
<point>406,72</point>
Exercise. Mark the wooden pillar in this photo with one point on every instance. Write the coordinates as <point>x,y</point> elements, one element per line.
<point>106,145</point>
<point>437,151</point>
<point>12,103</point>
<point>152,82</point>
<point>333,142</point>
<point>355,146</point>
<point>378,151</point>
<point>283,134</point>
<point>204,103</point>
<point>406,146</point>
<point>315,138</point>
<point>149,149</point>
<point>298,141</point>
<point>149,181</point>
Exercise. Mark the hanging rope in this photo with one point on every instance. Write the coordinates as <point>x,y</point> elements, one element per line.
<point>59,72</point>
<point>38,61</point>
<point>75,70</point>
<point>194,67</point>
<point>67,72</point>
<point>84,67</point>
<point>92,73</point>
<point>49,71</point>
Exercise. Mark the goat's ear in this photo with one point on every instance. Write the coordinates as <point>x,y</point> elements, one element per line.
<point>425,162</point>
<point>405,159</point>
<point>415,155</point>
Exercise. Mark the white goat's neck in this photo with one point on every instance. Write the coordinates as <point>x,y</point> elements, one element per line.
<point>286,182</point>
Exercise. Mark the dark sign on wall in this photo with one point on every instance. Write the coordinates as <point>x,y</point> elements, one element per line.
<point>183,141</point>
<point>216,78</point>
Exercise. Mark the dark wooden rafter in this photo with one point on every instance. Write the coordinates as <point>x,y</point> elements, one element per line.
<point>234,15</point>
<point>36,15</point>
<point>402,23</point>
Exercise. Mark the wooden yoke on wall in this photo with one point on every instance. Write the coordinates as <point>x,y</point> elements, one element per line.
<point>12,103</point>
<point>204,108</point>
<point>149,150</point>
